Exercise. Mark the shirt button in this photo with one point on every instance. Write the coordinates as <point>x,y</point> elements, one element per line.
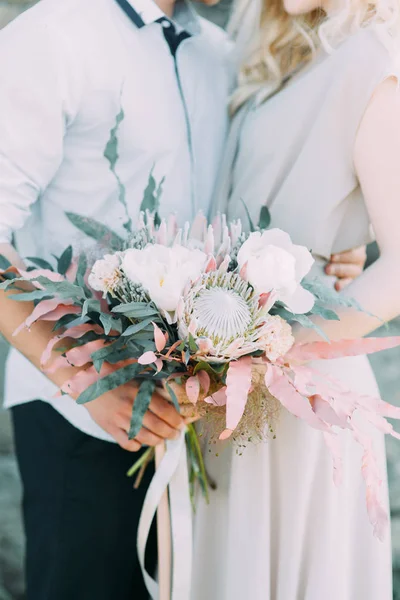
<point>165,23</point>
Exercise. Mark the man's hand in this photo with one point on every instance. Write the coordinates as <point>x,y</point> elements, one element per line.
<point>113,410</point>
<point>347,266</point>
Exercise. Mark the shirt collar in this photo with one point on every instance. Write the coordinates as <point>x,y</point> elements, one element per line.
<point>149,12</point>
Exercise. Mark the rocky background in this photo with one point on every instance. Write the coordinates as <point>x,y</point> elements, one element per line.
<point>386,366</point>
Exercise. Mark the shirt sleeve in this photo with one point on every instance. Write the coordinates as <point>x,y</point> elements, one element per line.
<point>35,105</point>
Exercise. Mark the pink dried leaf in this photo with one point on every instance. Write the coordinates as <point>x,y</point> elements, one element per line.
<point>204,380</point>
<point>238,384</point>
<point>72,270</point>
<point>147,358</point>
<point>328,350</point>
<point>35,273</point>
<point>324,411</point>
<point>204,345</point>
<point>283,390</point>
<point>198,229</point>
<point>218,398</point>
<point>86,377</point>
<point>209,245</point>
<point>162,234</point>
<point>41,309</point>
<point>81,355</point>
<point>225,435</point>
<point>60,362</point>
<point>159,338</point>
<point>243,272</point>
<point>211,265</point>
<point>267,300</point>
<point>333,443</point>
<point>193,389</point>
<point>74,333</point>
<point>377,513</point>
<point>159,364</point>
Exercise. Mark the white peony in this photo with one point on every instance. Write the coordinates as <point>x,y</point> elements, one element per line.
<point>270,261</point>
<point>164,272</point>
<point>105,274</point>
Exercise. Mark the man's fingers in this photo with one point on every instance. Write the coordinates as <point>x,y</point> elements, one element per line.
<point>344,271</point>
<point>159,427</point>
<point>355,256</point>
<point>147,438</point>
<point>121,437</point>
<point>342,283</point>
<point>166,411</point>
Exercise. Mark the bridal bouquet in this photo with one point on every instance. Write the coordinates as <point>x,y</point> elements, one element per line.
<point>206,313</point>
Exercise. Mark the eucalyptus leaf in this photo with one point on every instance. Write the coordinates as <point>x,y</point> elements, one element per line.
<point>150,202</point>
<point>328,295</point>
<point>31,296</point>
<point>137,327</point>
<point>69,321</point>
<point>91,305</point>
<point>303,320</point>
<point>136,310</point>
<point>251,224</point>
<point>4,285</point>
<point>62,289</point>
<point>173,396</point>
<point>40,262</point>
<point>64,262</point>
<point>4,263</point>
<point>265,218</point>
<point>110,382</point>
<point>140,406</point>
<point>192,344</point>
<point>325,313</point>
<point>81,271</point>
<point>96,230</point>
<point>109,323</point>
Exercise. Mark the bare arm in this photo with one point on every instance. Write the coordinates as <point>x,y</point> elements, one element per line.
<point>376,156</point>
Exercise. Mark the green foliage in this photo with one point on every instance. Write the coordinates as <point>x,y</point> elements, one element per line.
<point>329,296</point>
<point>173,396</point>
<point>136,310</point>
<point>265,218</point>
<point>4,263</point>
<point>303,320</point>
<point>109,323</point>
<point>110,382</point>
<point>65,260</point>
<point>140,406</point>
<point>151,199</point>
<point>250,220</point>
<point>40,263</point>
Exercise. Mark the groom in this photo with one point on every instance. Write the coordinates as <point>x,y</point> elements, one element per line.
<point>71,66</point>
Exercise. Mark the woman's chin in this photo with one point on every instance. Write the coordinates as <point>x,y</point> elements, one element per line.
<point>296,8</point>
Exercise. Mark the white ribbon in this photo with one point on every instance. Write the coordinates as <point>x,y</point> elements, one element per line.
<point>172,472</point>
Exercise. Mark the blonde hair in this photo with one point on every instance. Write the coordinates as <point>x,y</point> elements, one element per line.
<point>271,44</point>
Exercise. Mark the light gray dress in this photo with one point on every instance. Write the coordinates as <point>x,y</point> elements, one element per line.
<point>277,528</point>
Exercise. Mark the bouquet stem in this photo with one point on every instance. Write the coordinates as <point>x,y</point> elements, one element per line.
<point>163,537</point>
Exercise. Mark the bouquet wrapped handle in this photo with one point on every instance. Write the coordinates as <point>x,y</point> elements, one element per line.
<point>171,474</point>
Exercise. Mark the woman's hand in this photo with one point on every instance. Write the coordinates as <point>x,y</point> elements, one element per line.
<point>347,266</point>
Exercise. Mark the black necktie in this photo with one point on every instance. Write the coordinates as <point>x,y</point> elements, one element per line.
<point>171,36</point>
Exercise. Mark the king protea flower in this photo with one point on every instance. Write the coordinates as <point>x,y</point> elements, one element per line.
<point>227,320</point>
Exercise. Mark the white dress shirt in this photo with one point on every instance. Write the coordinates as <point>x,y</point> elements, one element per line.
<point>67,69</point>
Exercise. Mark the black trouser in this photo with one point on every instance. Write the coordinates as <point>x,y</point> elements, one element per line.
<point>80,511</point>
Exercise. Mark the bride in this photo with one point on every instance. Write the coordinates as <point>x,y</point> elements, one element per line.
<point>316,137</point>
